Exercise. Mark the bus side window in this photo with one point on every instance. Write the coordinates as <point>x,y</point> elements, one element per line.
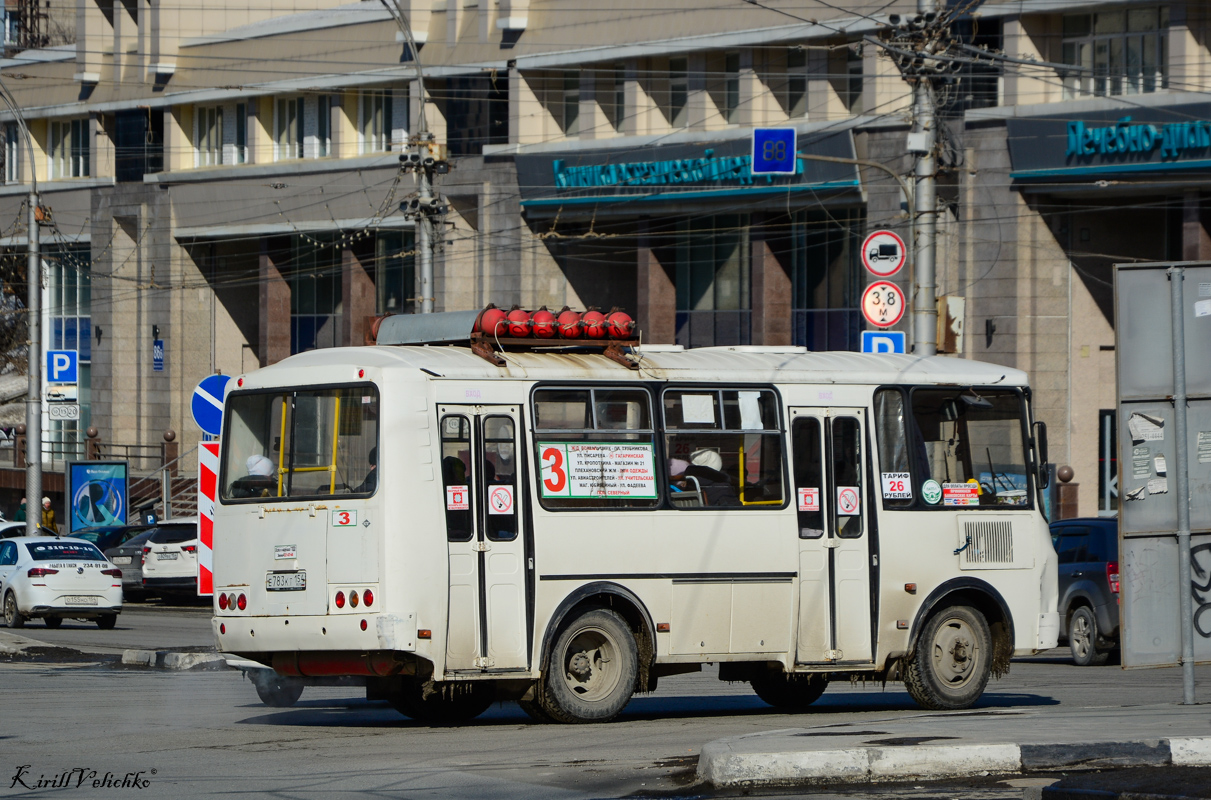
<point>500,478</point>
<point>456,477</point>
<point>847,472</point>
<point>809,477</point>
<point>893,447</point>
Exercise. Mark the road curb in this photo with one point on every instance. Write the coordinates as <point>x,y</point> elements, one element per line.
<point>165,659</point>
<point>724,764</point>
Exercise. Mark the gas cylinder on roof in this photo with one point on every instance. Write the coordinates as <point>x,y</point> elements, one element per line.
<point>519,322</point>
<point>594,323</point>
<point>542,324</point>
<point>569,323</point>
<point>619,324</point>
<point>492,321</point>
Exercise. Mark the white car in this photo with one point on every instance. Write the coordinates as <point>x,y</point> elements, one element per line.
<point>49,578</point>
<point>170,558</point>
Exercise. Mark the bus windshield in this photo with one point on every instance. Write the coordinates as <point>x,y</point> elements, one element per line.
<point>297,444</point>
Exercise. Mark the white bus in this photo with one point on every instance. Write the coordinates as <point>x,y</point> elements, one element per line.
<point>564,530</point>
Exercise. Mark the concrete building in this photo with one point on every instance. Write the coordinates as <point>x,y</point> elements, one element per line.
<point>225,180</point>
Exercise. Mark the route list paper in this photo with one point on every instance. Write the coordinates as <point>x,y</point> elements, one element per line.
<point>597,469</point>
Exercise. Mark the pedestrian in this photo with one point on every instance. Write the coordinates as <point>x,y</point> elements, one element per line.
<point>20,515</point>
<point>48,516</point>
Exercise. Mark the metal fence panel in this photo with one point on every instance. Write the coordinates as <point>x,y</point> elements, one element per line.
<point>1150,635</point>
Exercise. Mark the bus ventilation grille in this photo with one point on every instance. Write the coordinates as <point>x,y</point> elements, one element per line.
<point>991,542</point>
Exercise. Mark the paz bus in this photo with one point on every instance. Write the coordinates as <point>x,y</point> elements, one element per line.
<point>457,519</point>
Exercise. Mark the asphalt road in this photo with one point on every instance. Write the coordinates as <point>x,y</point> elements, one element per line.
<point>206,733</point>
<point>147,626</point>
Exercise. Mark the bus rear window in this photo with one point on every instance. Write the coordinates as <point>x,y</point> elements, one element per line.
<point>301,443</point>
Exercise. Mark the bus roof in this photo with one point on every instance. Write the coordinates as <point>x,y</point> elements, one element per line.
<point>715,364</point>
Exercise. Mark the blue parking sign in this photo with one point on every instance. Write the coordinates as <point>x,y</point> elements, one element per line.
<point>62,366</point>
<point>883,342</point>
<point>774,151</point>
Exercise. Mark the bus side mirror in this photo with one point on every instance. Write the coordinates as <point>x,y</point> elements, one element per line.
<point>1040,450</point>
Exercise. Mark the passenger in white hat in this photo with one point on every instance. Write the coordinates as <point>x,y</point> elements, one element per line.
<point>259,466</point>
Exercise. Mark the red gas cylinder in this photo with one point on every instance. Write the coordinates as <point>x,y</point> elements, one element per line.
<point>492,321</point>
<point>542,324</point>
<point>569,323</point>
<point>594,323</point>
<point>519,322</point>
<point>619,324</point>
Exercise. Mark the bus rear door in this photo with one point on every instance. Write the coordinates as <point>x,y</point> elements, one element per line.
<point>487,602</point>
<point>834,541</point>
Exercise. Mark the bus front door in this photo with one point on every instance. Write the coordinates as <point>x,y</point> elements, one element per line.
<point>486,628</point>
<point>834,542</point>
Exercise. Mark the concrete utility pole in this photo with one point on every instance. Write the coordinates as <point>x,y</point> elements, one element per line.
<point>426,159</point>
<point>925,231</point>
<point>33,324</point>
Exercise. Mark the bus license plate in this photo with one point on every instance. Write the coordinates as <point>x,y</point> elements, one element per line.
<point>286,581</point>
<point>80,600</point>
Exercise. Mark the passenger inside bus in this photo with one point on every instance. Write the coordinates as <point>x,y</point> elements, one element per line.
<point>371,482</point>
<point>259,481</point>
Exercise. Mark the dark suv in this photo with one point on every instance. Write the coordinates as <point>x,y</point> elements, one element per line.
<point>1089,586</point>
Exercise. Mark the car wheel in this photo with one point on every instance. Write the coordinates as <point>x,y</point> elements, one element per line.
<point>53,622</point>
<point>107,621</point>
<point>451,703</point>
<point>1082,639</point>
<point>789,692</point>
<point>591,674</point>
<point>952,661</point>
<point>12,617</point>
<point>275,690</point>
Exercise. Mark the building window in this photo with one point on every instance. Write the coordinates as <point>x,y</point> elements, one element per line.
<point>731,87</point>
<point>138,144</point>
<point>288,128</point>
<point>323,128</point>
<point>69,152</point>
<point>375,118</point>
<point>712,275</point>
<point>853,82</point>
<point>12,153</point>
<point>1119,52</point>
<point>315,293</point>
<point>796,83</point>
<point>69,306</point>
<point>679,92</point>
<point>617,78</point>
<point>570,104</point>
<point>241,133</point>
<point>1107,462</point>
<point>826,280</point>
<point>394,273</point>
<point>209,151</point>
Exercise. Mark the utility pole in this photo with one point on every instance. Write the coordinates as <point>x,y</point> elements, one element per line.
<point>426,158</point>
<point>925,231</point>
<point>33,324</point>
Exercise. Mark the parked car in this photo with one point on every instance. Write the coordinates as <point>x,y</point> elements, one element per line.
<point>170,558</point>
<point>52,578</point>
<point>1089,586</point>
<point>8,530</point>
<point>128,556</point>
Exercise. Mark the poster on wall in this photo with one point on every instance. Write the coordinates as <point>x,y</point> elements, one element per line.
<point>597,469</point>
<point>98,492</point>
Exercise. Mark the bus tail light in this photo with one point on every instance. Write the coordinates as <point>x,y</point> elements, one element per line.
<point>363,624</point>
<point>41,572</point>
<point>368,598</point>
<point>222,602</point>
<point>242,602</point>
<point>353,599</point>
<point>1112,575</point>
<point>222,629</point>
<point>340,599</point>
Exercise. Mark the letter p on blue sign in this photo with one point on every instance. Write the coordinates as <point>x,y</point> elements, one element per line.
<point>774,151</point>
<point>883,341</point>
<point>61,366</point>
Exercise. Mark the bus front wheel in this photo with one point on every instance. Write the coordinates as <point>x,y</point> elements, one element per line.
<point>789,692</point>
<point>592,669</point>
<point>952,661</point>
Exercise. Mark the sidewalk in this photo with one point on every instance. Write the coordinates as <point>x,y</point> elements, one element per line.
<point>965,743</point>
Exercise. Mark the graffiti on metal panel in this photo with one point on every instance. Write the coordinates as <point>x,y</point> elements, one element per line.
<point>1201,570</point>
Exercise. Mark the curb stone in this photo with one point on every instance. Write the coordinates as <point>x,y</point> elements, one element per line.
<point>722,765</point>
<point>163,659</point>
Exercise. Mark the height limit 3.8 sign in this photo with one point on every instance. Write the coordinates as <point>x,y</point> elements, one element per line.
<point>883,304</point>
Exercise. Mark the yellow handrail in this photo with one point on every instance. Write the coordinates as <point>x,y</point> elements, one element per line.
<point>744,502</point>
<point>282,448</point>
<point>336,429</point>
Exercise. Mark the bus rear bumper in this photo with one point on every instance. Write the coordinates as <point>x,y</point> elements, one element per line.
<point>1049,630</point>
<point>344,632</point>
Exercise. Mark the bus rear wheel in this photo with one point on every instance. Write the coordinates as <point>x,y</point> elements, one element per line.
<point>789,692</point>
<point>952,662</point>
<point>447,703</point>
<point>592,669</point>
<point>276,690</point>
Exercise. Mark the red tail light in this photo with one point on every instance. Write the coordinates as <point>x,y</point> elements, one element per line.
<point>146,549</point>
<point>189,548</point>
<point>368,598</point>
<point>222,602</point>
<point>42,572</point>
<point>113,573</point>
<point>353,599</point>
<point>242,603</point>
<point>340,599</point>
<point>1112,575</point>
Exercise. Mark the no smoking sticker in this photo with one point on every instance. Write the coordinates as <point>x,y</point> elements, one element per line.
<point>500,500</point>
<point>848,504</point>
<point>458,498</point>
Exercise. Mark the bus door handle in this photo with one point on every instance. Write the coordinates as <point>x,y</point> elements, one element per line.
<point>481,547</point>
<point>832,541</point>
